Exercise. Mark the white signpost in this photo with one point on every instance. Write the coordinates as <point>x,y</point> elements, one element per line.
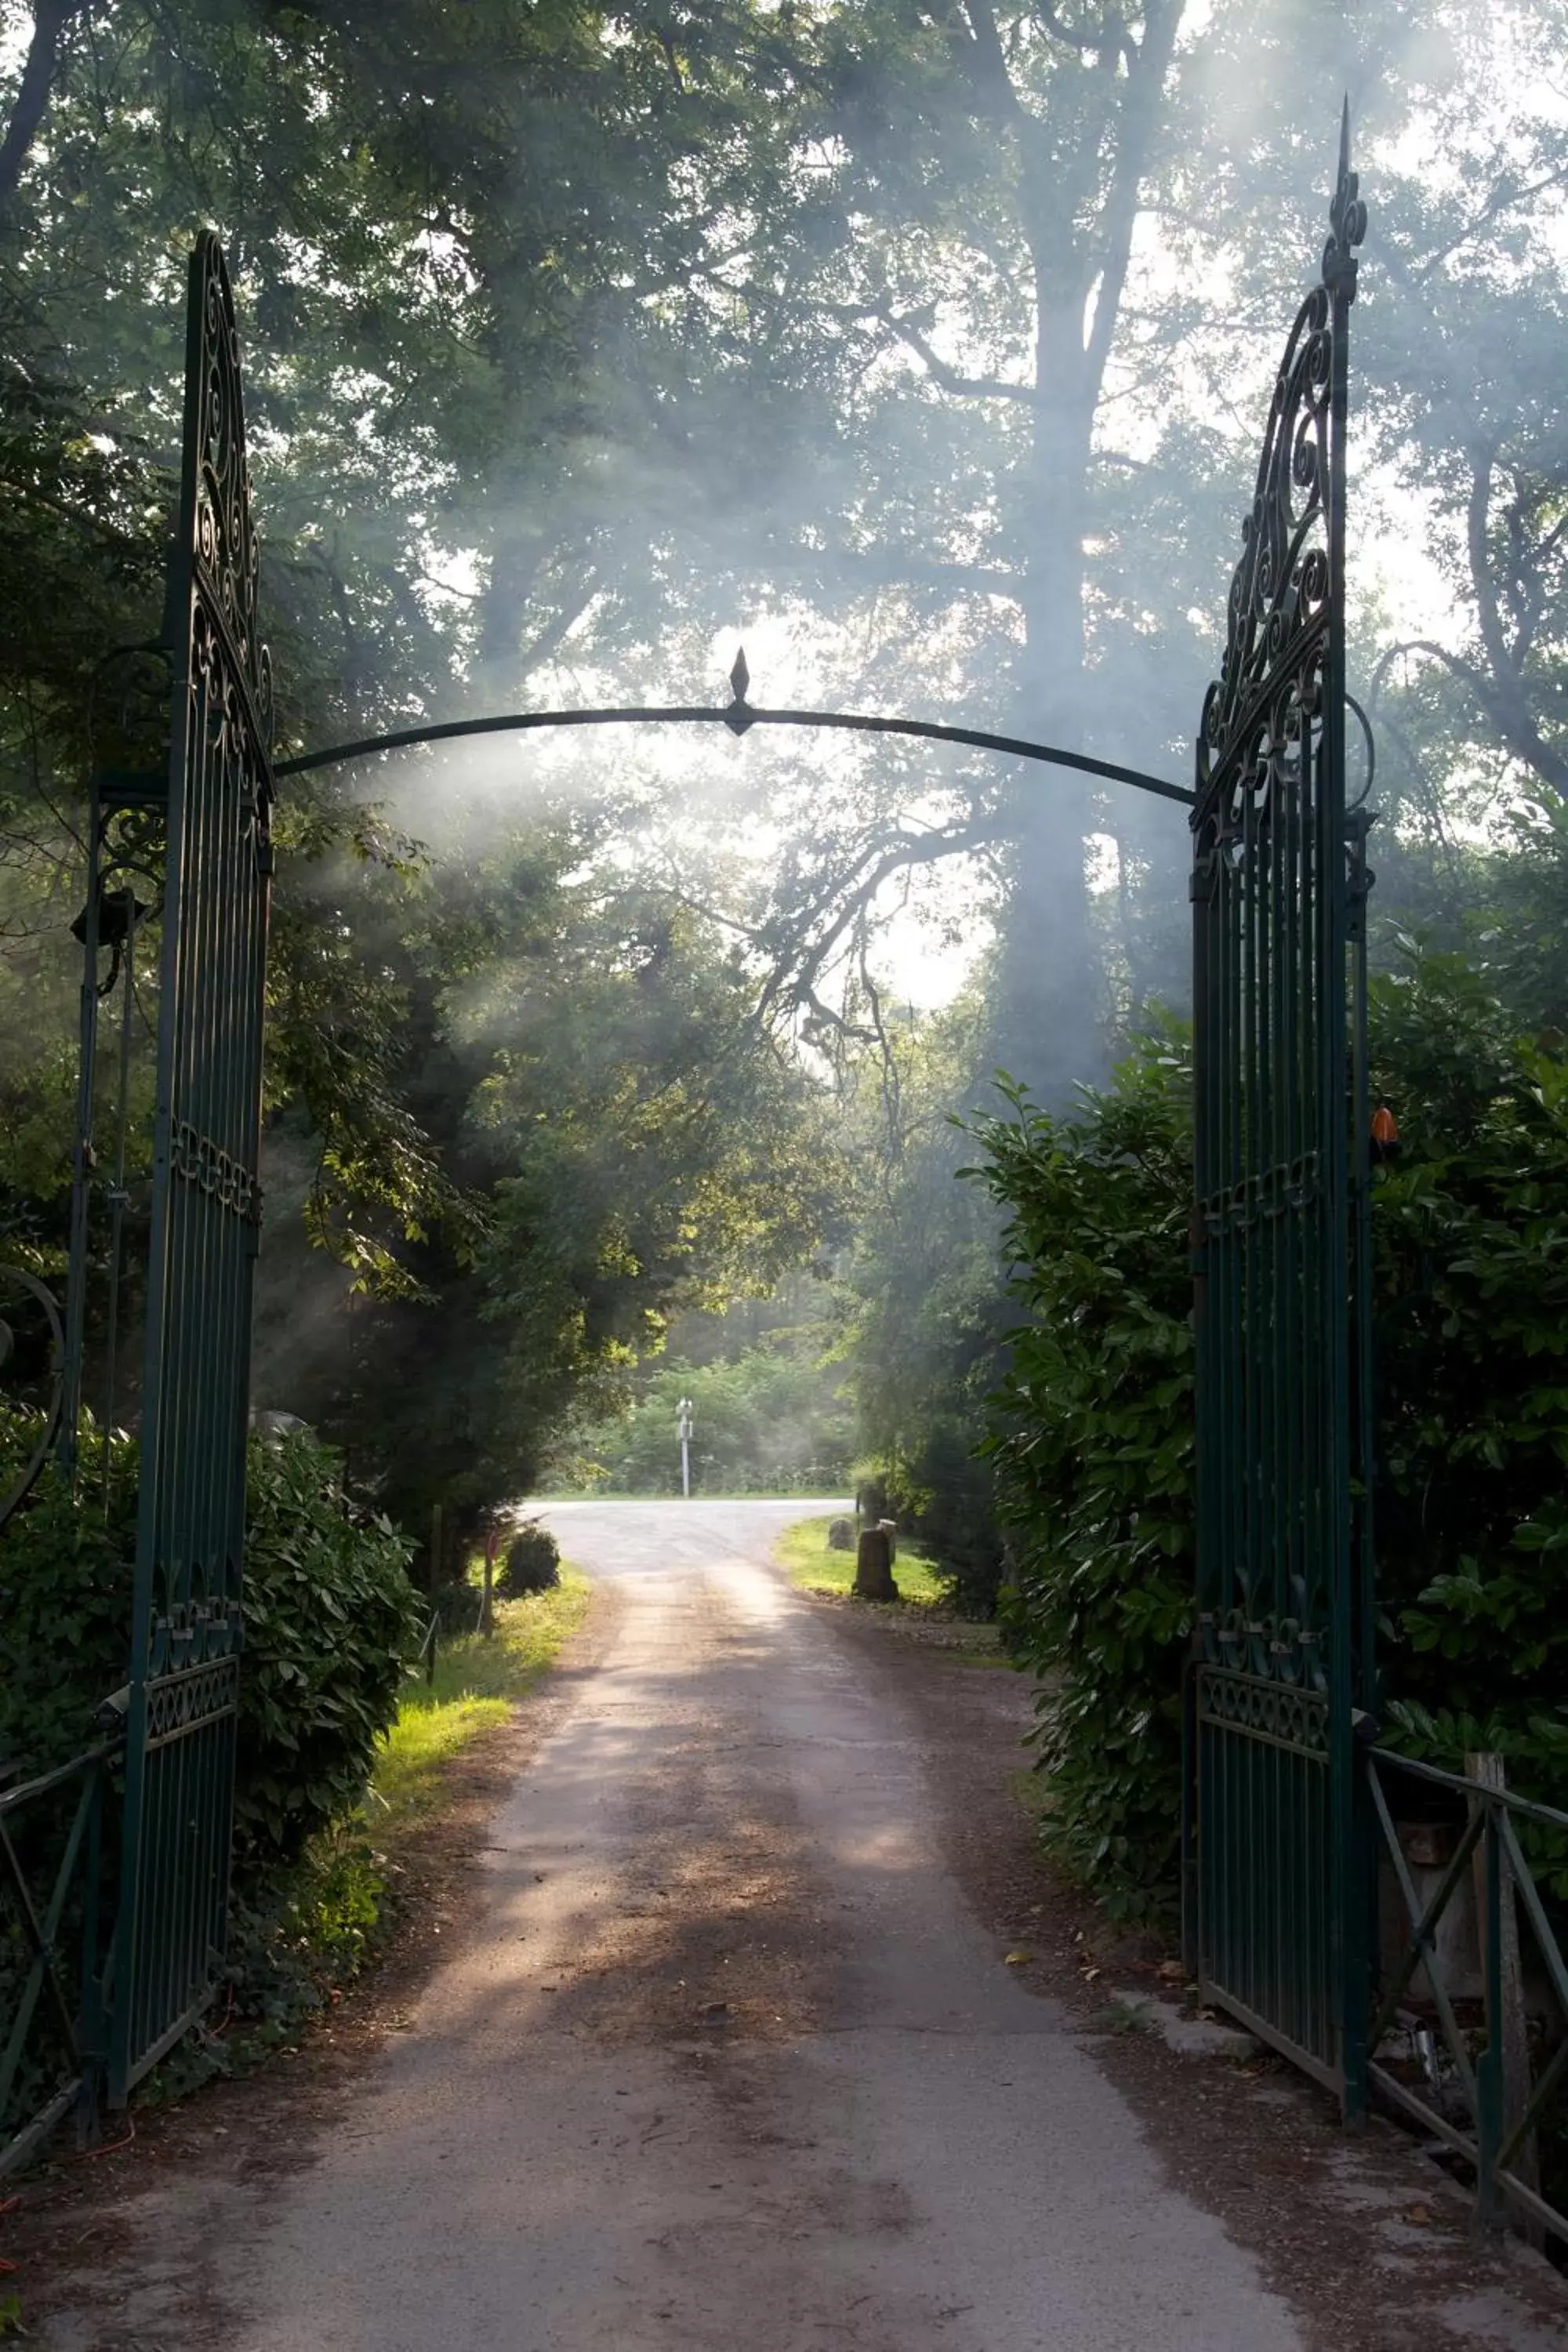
<point>683,1429</point>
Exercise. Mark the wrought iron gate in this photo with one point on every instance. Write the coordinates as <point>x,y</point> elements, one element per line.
<point>1275,1876</point>
<point>206,1206</point>
<point>1276,1880</point>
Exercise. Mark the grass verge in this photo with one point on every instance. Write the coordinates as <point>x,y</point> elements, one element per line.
<point>922,1613</point>
<point>302,1939</point>
<point>803,1551</point>
<point>476,1683</point>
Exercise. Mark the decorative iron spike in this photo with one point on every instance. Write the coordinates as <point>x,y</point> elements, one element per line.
<point>738,717</point>
<point>1347,220</point>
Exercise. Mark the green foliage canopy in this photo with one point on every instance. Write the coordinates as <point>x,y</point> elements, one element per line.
<point>772,1419</point>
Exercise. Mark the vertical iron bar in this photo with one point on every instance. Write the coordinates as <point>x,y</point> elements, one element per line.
<point>117,1196</point>
<point>91,2050</point>
<point>1348,1901</point>
<point>81,1151</point>
<point>1491,2095</point>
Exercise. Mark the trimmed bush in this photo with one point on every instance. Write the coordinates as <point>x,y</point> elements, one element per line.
<point>456,1607</point>
<point>532,1562</point>
<point>330,1618</point>
<point>65,1598</point>
<point>1092,1427</point>
<point>1092,1439</point>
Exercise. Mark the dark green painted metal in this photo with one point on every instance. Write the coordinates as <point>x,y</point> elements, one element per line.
<point>187,1626</point>
<point>1275,1883</point>
<point>1453,2078</point>
<point>55,2005</point>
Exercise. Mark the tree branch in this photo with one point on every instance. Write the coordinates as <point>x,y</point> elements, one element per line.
<point>1147,68</point>
<point>1505,197</point>
<point>988,63</point>
<point>1110,36</point>
<point>1502,703</point>
<point>555,633</point>
<point>39,73</point>
<point>1476,519</point>
<point>971,387</point>
<point>795,981</point>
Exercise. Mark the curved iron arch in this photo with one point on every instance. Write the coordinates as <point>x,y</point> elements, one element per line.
<point>740,717</point>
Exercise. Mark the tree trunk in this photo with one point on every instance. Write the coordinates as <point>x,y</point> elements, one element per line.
<point>1049,995</point>
<point>39,75</point>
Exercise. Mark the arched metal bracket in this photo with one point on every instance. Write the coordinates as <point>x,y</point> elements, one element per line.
<point>740,717</point>
<point>1371,740</point>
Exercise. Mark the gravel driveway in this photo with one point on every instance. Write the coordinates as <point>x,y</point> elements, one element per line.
<point>721,2055</point>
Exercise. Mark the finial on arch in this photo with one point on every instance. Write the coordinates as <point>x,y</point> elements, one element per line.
<point>738,717</point>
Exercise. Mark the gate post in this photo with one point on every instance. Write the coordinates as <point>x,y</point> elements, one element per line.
<point>206,1210</point>
<point>1276,1912</point>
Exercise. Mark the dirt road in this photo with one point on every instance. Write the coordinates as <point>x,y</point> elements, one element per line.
<point>723,2061</point>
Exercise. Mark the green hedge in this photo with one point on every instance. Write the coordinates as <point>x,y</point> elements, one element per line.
<point>330,1617</point>
<point>1092,1426</point>
<point>1092,1439</point>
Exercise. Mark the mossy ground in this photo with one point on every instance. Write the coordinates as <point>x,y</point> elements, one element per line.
<point>476,1683</point>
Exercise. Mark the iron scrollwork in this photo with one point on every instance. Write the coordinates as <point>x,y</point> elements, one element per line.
<point>1258,712</point>
<point>223,528</point>
<point>1267,1163</point>
<point>1285,1712</point>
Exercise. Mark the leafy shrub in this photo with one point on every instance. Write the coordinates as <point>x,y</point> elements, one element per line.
<point>1092,1425</point>
<point>65,1598</point>
<point>1471,1334</point>
<point>532,1562</point>
<point>330,1617</point>
<point>1092,1442</point>
<point>455,1607</point>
